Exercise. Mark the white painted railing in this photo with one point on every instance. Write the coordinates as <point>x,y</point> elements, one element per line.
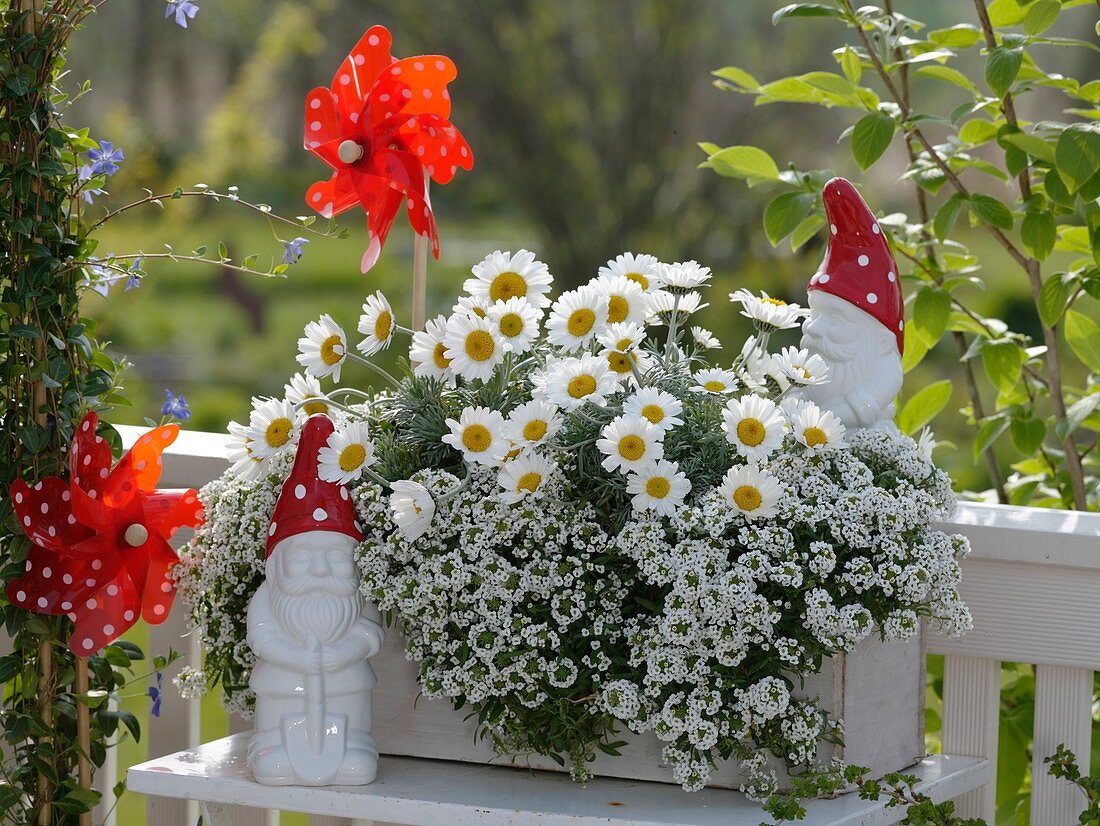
<point>1032,584</point>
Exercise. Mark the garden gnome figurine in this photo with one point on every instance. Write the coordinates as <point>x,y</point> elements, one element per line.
<point>856,315</point>
<point>312,633</point>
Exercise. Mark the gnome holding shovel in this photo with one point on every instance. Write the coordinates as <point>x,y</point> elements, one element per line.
<point>312,632</point>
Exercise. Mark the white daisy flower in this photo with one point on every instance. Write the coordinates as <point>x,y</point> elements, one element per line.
<point>715,381</point>
<point>683,277</point>
<point>302,387</point>
<point>524,477</point>
<point>571,382</point>
<point>661,408</point>
<point>479,434</point>
<point>621,337</point>
<point>630,443</point>
<point>246,465</point>
<point>661,304</point>
<point>472,346</point>
<point>623,363</point>
<point>502,275</point>
<point>345,454</point>
<point>926,443</point>
<point>661,487</point>
<point>750,491</point>
<point>376,323</point>
<point>412,508</point>
<point>754,426</point>
<point>705,338</point>
<point>760,371</point>
<point>472,305</point>
<point>819,430</point>
<point>429,349</point>
<point>641,269</point>
<point>576,317</point>
<point>323,348</point>
<point>768,314</point>
<point>274,426</point>
<point>800,366</point>
<point>533,423</point>
<point>625,300</point>
<point>516,321</point>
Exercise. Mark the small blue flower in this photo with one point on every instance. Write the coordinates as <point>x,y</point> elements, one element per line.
<point>155,695</point>
<point>292,252</point>
<point>97,277</point>
<point>85,174</point>
<point>182,9</point>
<point>105,159</point>
<point>176,406</point>
<point>133,280</point>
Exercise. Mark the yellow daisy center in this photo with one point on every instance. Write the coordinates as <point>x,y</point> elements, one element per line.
<point>511,325</point>
<point>480,345</point>
<point>582,386</point>
<point>715,386</point>
<point>750,432</point>
<point>383,326</point>
<point>618,362</point>
<point>632,448</point>
<point>352,456</point>
<point>512,454</point>
<point>534,430</point>
<point>441,361</point>
<point>624,344</point>
<point>314,407</point>
<point>508,285</point>
<point>658,487</point>
<point>654,412</point>
<point>638,278</point>
<point>332,350</point>
<point>478,311</point>
<point>776,301</point>
<point>581,322</point>
<point>814,436</point>
<point>477,438</point>
<point>278,432</point>
<point>617,308</point>
<point>529,481</point>
<point>747,498</point>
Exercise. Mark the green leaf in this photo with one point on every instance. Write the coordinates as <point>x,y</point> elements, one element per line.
<point>223,251</point>
<point>1038,233</point>
<point>805,10</point>
<point>1077,413</point>
<point>978,131</point>
<point>870,137</point>
<point>1041,16</point>
<point>744,162</point>
<point>738,76</point>
<point>947,214</point>
<point>931,312</point>
<point>1005,13</point>
<point>1003,362</point>
<point>948,75</point>
<point>923,407</point>
<point>806,230</point>
<point>851,65</point>
<point>785,213</point>
<point>1055,189</point>
<point>915,349</point>
<point>1053,296</point>
<point>992,211</point>
<point>1001,68</point>
<point>962,36</point>
<point>988,433</point>
<point>1077,154</point>
<point>1032,144</point>
<point>1083,337</point>
<point>1028,434</point>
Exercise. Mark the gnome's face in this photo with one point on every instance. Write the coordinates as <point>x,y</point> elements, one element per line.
<point>315,584</point>
<point>840,331</point>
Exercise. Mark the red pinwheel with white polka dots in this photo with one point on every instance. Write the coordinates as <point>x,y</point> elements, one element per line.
<point>99,542</point>
<point>381,126</point>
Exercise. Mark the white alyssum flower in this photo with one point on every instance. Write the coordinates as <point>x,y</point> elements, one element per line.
<point>659,407</point>
<point>533,423</point>
<point>715,381</point>
<point>503,275</point>
<point>323,348</point>
<point>817,429</point>
<point>626,301</point>
<point>754,425</point>
<point>516,321</point>
<point>683,276</point>
<point>630,443</point>
<point>376,324</point>
<point>346,452</point>
<point>274,427</point>
<point>705,338</point>
<point>428,351</point>
<point>660,487</point>
<point>305,388</point>
<point>412,508</point>
<point>800,366</point>
<point>576,318</point>
<point>474,348</point>
<point>479,434</point>
<point>768,314</point>
<point>750,491</point>
<point>641,269</point>
<point>525,477</point>
<point>572,382</point>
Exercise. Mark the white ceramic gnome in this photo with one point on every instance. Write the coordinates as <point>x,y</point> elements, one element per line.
<point>856,315</point>
<point>312,632</point>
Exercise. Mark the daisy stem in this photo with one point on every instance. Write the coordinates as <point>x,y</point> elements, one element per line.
<point>401,329</point>
<point>299,406</point>
<point>672,324</point>
<point>637,373</point>
<point>352,391</point>
<point>451,494</point>
<point>377,478</point>
<point>375,368</point>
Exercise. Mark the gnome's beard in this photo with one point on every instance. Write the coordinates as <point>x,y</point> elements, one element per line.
<point>324,609</point>
<point>851,364</point>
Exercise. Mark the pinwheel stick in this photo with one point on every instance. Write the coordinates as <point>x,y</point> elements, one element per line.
<point>83,734</point>
<point>420,276</point>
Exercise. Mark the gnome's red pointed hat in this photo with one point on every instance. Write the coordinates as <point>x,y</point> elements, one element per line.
<point>307,502</point>
<point>858,265</point>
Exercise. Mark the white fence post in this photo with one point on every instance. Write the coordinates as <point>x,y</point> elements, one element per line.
<point>1063,715</point>
<point>971,705</point>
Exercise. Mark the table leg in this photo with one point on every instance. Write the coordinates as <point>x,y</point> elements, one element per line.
<point>215,814</point>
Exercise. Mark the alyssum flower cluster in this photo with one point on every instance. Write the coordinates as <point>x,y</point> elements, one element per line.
<point>587,528</point>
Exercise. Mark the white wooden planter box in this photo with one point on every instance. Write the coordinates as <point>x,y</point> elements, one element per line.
<point>878,690</point>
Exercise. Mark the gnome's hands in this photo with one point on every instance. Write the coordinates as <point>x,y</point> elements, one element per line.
<point>866,409</point>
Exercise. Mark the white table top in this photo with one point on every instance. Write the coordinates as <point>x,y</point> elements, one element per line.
<point>441,793</point>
